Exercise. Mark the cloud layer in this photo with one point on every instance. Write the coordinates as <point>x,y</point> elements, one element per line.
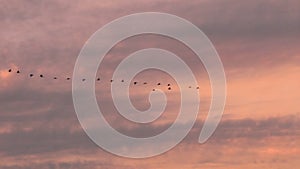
<point>258,42</point>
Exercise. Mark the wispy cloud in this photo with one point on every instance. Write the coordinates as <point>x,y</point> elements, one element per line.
<point>258,42</point>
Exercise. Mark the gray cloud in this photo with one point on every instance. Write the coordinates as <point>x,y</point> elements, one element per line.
<point>60,165</point>
<point>48,139</point>
<point>52,33</point>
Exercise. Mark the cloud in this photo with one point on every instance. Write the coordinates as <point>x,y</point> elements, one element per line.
<point>52,33</point>
<point>54,165</point>
<point>46,138</point>
<point>257,42</point>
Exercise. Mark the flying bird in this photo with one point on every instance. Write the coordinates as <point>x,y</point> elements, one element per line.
<point>98,79</point>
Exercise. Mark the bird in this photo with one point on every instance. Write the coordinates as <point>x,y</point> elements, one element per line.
<point>68,78</point>
<point>55,78</point>
<point>197,87</point>
<point>169,88</point>
<point>41,76</point>
<point>169,84</point>
<point>158,84</point>
<point>111,80</point>
<point>135,83</point>
<point>31,75</point>
<point>145,83</point>
<point>190,86</point>
<point>98,79</point>
<point>18,71</point>
<point>9,70</point>
<point>153,89</point>
<point>83,80</point>
<point>122,81</point>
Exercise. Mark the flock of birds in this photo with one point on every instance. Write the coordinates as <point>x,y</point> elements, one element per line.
<point>31,75</point>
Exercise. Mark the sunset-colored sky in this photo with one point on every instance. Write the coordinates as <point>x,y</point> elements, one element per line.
<point>257,41</point>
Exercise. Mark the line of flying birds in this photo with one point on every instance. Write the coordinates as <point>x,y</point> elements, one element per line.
<point>98,79</point>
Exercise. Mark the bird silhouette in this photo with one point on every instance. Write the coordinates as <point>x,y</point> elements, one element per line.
<point>98,79</point>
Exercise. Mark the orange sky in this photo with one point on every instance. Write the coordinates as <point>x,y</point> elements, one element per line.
<point>258,43</point>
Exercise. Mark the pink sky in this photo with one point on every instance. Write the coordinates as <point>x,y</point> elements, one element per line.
<point>258,43</point>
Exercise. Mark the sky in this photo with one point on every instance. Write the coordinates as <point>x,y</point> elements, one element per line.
<point>257,41</point>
